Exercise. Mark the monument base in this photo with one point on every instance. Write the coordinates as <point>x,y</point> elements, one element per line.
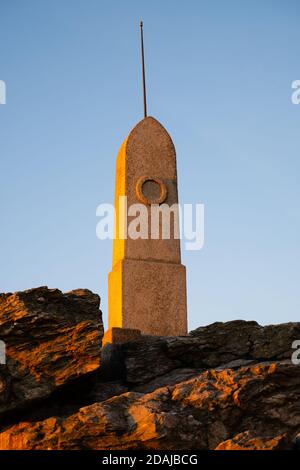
<point>148,295</point>
<point>120,335</point>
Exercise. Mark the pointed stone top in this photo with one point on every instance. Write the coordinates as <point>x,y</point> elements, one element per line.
<point>149,133</point>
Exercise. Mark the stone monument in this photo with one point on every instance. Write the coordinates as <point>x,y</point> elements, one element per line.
<point>147,283</point>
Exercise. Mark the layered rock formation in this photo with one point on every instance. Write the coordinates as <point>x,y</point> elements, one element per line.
<point>225,386</point>
<point>51,339</point>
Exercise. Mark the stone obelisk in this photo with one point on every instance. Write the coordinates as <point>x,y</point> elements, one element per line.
<point>147,283</point>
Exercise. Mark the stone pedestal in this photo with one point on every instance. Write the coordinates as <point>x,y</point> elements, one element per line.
<point>148,295</point>
<point>116,335</point>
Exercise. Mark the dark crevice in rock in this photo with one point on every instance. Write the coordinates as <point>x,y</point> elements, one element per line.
<point>64,401</point>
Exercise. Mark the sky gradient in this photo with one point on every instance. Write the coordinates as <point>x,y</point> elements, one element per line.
<point>219,78</point>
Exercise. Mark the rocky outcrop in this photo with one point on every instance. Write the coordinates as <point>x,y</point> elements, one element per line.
<point>51,339</point>
<point>226,386</point>
<point>253,407</point>
<point>232,344</point>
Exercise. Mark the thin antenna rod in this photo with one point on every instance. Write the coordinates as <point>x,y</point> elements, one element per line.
<point>143,70</point>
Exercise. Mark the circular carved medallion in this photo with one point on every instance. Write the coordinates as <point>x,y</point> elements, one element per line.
<point>150,190</point>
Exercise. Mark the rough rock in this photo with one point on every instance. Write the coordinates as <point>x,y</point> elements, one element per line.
<point>51,339</point>
<point>205,412</point>
<point>226,386</point>
<point>216,345</point>
<point>248,441</point>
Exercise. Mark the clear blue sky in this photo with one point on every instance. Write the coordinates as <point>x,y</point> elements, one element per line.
<point>219,78</point>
